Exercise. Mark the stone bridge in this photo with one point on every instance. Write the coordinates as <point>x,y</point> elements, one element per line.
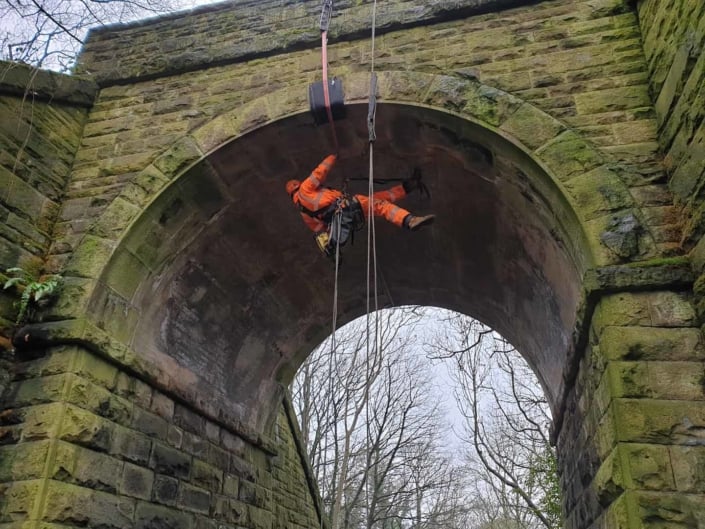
<point>562,142</point>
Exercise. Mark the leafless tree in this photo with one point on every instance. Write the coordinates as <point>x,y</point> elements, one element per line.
<point>49,33</point>
<point>505,426</point>
<point>372,425</point>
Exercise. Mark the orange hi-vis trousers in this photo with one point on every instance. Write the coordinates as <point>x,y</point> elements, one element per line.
<point>383,205</point>
<point>313,195</point>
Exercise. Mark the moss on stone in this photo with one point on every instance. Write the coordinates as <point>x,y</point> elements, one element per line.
<point>569,155</point>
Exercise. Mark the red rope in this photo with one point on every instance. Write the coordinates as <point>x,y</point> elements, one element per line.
<point>326,92</point>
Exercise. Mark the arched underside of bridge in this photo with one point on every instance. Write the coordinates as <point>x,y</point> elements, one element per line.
<point>228,292</point>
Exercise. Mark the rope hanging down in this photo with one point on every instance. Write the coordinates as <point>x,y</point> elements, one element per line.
<point>326,15</point>
<point>371,248</point>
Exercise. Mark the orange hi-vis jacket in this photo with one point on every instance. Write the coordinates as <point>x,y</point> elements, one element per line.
<point>314,196</point>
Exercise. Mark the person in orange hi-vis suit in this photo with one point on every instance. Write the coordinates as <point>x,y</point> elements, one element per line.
<point>319,203</point>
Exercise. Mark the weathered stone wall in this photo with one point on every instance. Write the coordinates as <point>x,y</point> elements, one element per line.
<point>42,120</point>
<point>43,117</point>
<point>86,443</point>
<point>674,41</point>
<point>83,443</point>
<point>241,30</point>
<point>631,449</point>
<point>581,62</point>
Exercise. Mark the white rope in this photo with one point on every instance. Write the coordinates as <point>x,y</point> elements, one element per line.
<point>371,268</point>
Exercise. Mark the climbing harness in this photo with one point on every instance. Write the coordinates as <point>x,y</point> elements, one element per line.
<point>343,217</point>
<point>347,219</point>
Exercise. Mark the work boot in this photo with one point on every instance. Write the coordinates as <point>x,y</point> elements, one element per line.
<point>413,223</point>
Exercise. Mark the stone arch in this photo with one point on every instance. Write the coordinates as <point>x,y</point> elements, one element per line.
<point>565,171</point>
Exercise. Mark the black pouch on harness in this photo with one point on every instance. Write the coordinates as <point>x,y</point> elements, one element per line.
<point>347,219</point>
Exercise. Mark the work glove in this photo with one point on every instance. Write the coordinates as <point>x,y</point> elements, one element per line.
<point>414,182</point>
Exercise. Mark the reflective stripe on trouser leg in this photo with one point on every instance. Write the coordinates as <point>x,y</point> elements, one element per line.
<point>392,194</point>
<point>389,211</point>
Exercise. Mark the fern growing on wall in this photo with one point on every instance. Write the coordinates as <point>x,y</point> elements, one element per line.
<point>35,293</point>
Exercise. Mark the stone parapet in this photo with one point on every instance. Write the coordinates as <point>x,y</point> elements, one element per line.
<point>245,30</point>
<point>43,85</point>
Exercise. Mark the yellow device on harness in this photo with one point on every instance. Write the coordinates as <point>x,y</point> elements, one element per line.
<point>323,239</point>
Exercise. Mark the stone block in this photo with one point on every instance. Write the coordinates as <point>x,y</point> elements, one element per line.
<point>90,258</point>
<point>24,461</point>
<point>205,191</point>
<point>149,424</point>
<point>40,421</point>
<point>59,361</point>
<point>98,400</point>
<point>85,429</point>
<point>253,494</point>
<point>169,461</point>
<point>144,186</point>
<point>216,132</point>
<point>162,405</point>
<point>203,522</point>
<point>165,490</point>
<point>688,468</point>
<point>621,310</point>
<point>651,421</point>
<point>194,499</point>
<point>206,476</point>
<point>231,486</point>
<point>189,420</point>
<point>117,319</point>
<point>125,273</point>
<point>36,391</point>
<point>148,516</point>
<point>131,445</point>
<point>672,85</point>
<point>629,379</point>
<point>136,481</point>
<point>569,155</point>
<point>638,343</point>
<point>195,445</point>
<point>21,196</point>
<point>77,506</point>
<point>115,218</point>
<point>86,468</point>
<point>532,127</point>
<point>648,467</point>
<point>175,436</point>
<point>612,99</point>
<point>259,518</point>
<point>663,509</point>
<point>212,432</point>
<point>598,192</point>
<point>649,309</point>
<point>17,499</point>
<point>242,469</point>
<point>75,295</point>
<point>217,457</point>
<point>178,157</point>
<point>229,510</point>
<point>232,443</point>
<point>95,369</point>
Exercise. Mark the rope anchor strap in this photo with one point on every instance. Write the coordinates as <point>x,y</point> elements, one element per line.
<point>372,108</point>
<point>326,14</point>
